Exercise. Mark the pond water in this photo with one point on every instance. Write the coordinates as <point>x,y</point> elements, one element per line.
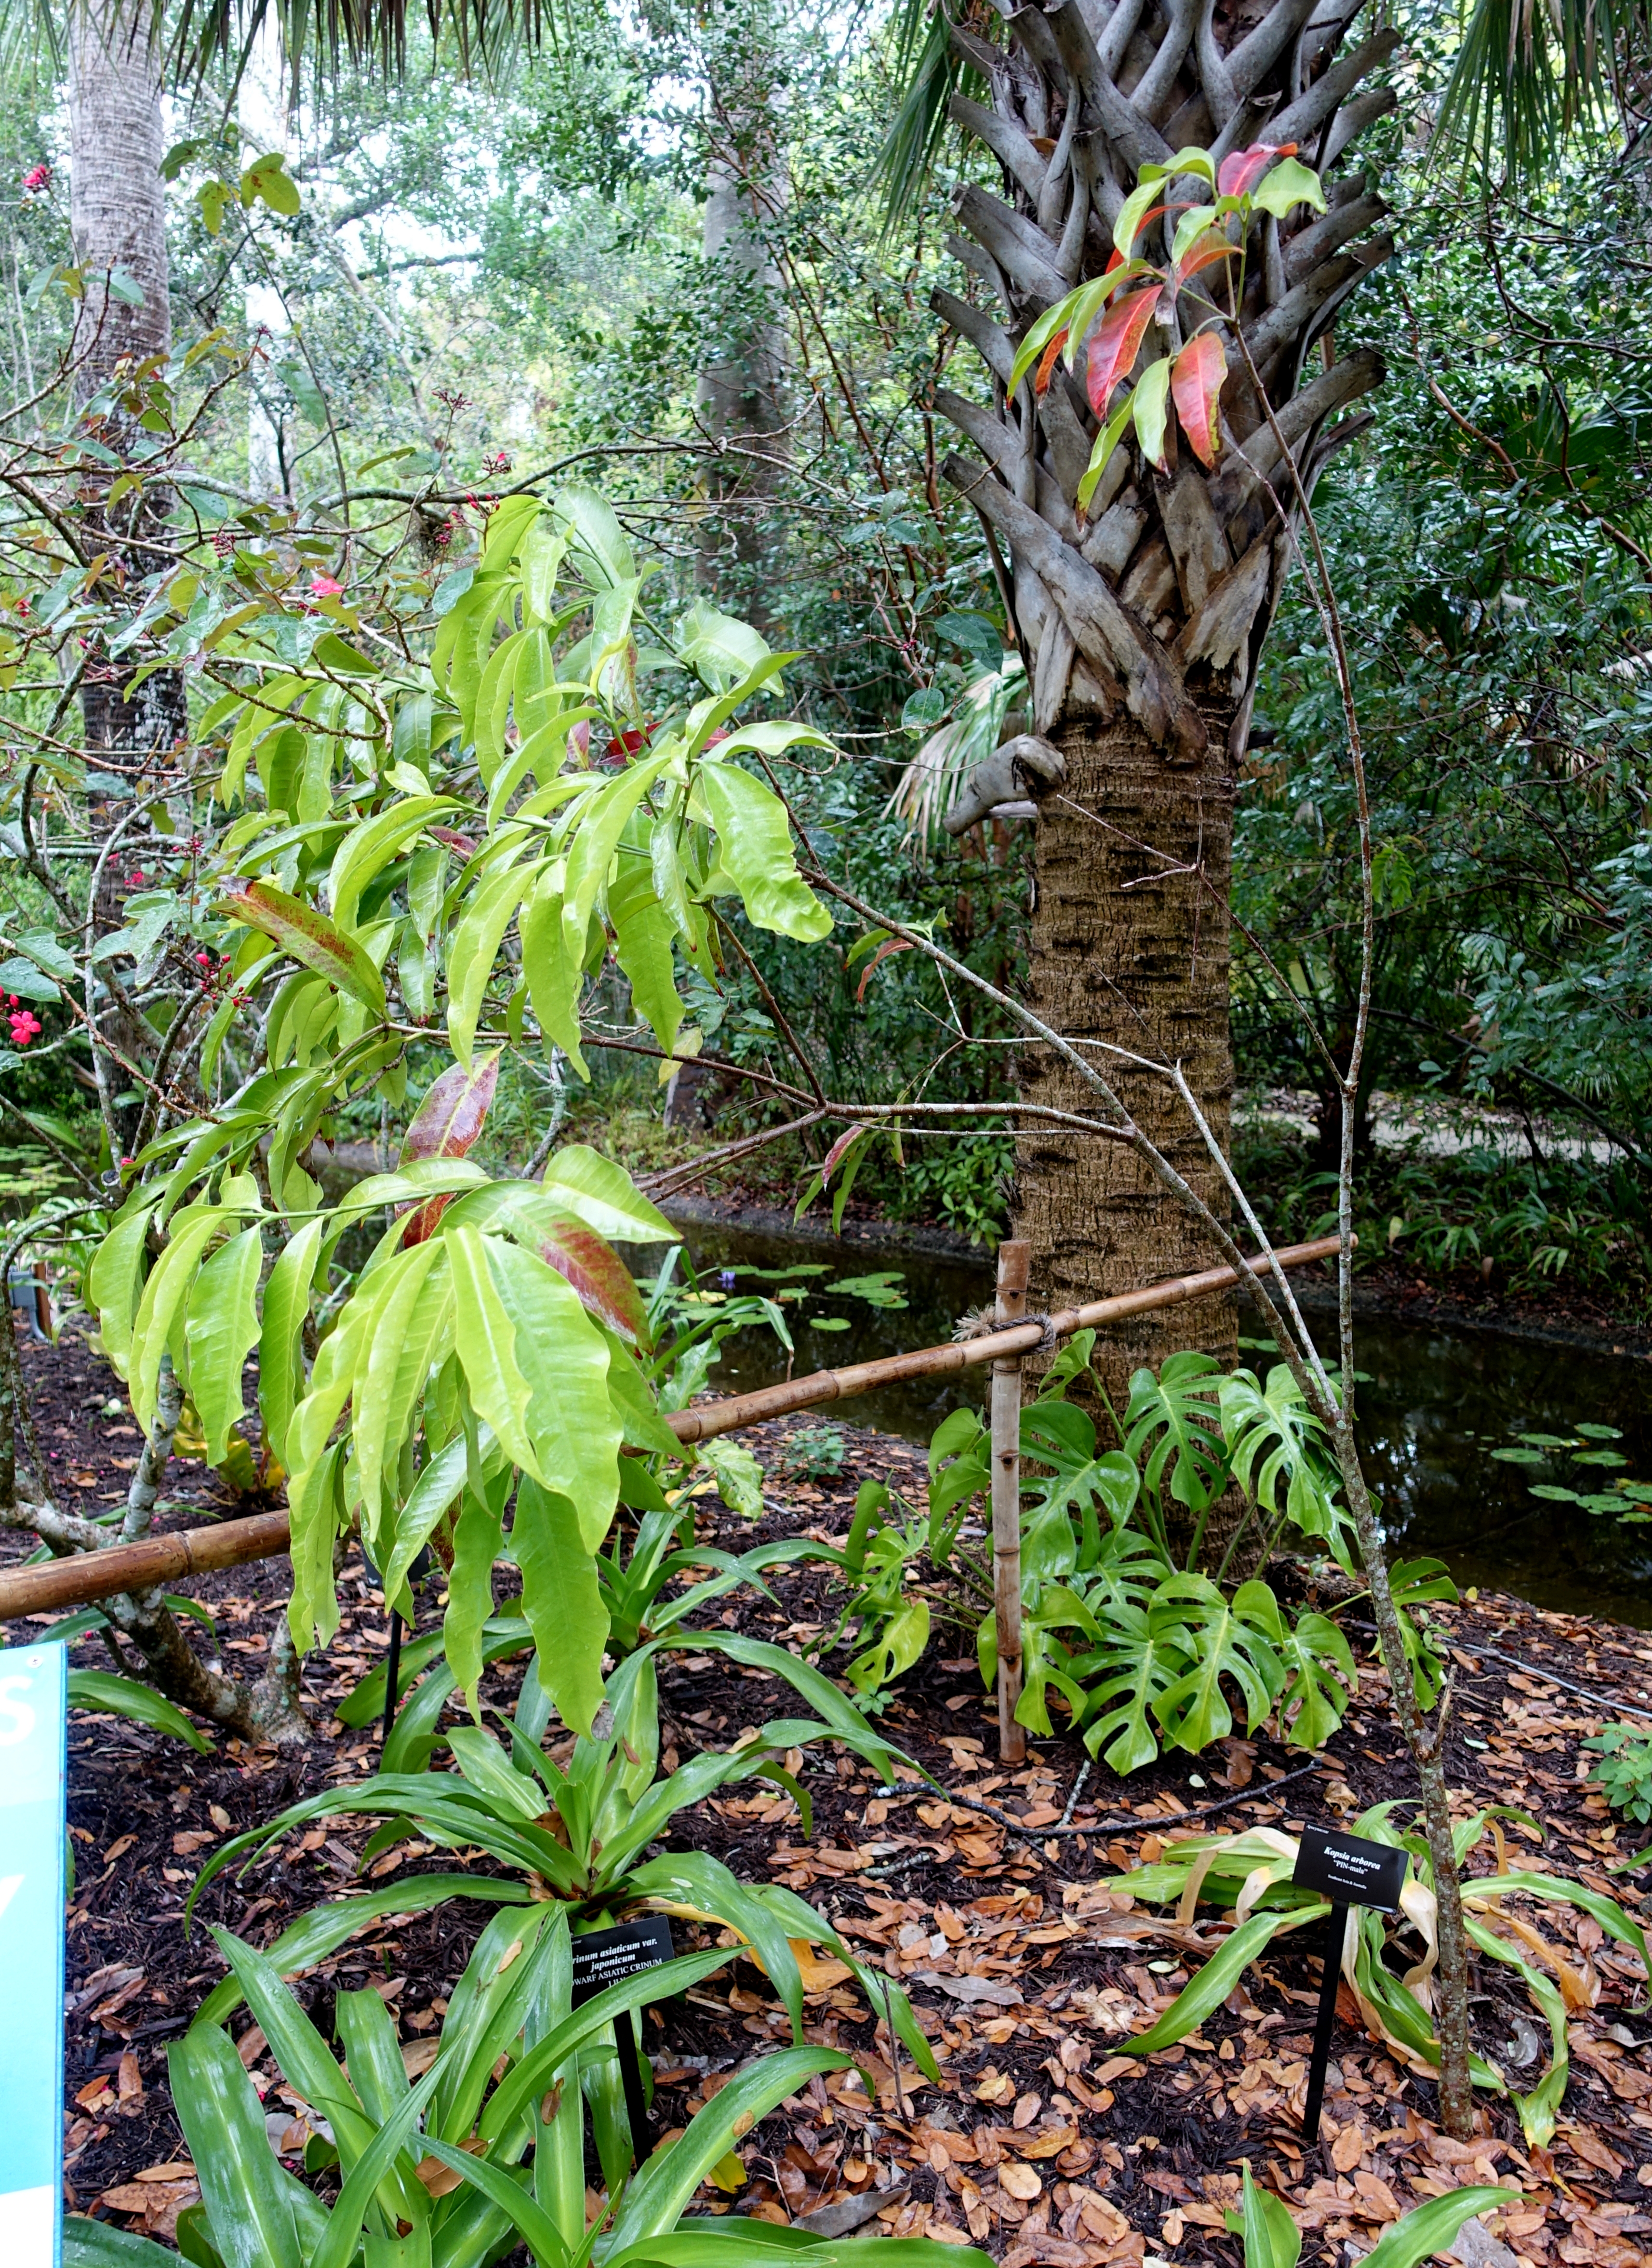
<point>1434,1405</point>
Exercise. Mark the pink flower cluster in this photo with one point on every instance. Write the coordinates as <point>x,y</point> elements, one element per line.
<point>40,178</point>
<point>25,1025</point>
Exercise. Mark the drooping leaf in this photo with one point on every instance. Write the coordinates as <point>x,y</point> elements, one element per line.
<point>1106,441</point>
<point>220,1325</point>
<point>308,935</point>
<point>1150,404</point>
<point>1116,343</point>
<point>1196,377</point>
<point>604,1283</point>
<point>1434,2227</point>
<point>102,1693</point>
<point>754,842</point>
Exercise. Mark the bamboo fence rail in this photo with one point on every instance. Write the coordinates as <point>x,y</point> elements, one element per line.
<point>172,1557</point>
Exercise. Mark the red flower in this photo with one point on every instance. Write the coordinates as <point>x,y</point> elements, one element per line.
<point>40,178</point>
<point>24,1026</point>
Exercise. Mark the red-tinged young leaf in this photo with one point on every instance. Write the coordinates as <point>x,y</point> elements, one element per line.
<point>308,935</point>
<point>425,1221</point>
<point>1047,363</point>
<point>594,1270</point>
<point>1211,247</point>
<point>834,1155</point>
<point>1196,377</point>
<point>453,1114</point>
<point>444,1125</point>
<point>893,945</point>
<point>462,844</point>
<point>1116,343</point>
<point>1242,169</point>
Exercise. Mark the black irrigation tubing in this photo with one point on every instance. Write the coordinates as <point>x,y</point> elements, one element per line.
<point>1466,1644</point>
<point>908,1789</point>
<point>1532,1669</point>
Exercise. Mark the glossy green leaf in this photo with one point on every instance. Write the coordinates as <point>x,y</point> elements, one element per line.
<point>1273,2239</point>
<point>1290,183</point>
<point>753,844</point>
<point>320,1932</point>
<point>161,1306</point>
<point>562,1601</point>
<point>281,1340</point>
<point>220,1326</point>
<point>256,2218</point>
<point>603,1195</point>
<point>1150,406</point>
<point>1217,1978</point>
<point>103,1693</point>
<point>1433,2227</point>
<point>656,2198</point>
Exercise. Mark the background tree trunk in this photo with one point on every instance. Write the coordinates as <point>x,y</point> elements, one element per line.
<point>118,216</point>
<point>743,386</point>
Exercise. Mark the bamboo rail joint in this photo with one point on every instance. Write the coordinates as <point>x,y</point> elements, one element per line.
<point>92,1575</point>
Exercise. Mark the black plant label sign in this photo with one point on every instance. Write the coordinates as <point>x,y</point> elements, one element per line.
<point>1348,1870</point>
<point>602,1957</point>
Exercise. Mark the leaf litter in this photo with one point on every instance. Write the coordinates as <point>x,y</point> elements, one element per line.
<point>987,1898</point>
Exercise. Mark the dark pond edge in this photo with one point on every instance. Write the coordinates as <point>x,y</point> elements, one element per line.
<point>897,1237</point>
<point>1315,1294</point>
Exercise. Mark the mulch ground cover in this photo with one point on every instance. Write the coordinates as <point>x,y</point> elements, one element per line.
<point>1043,2143</point>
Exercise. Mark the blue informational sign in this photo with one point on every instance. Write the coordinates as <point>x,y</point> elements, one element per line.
<point>32,1696</point>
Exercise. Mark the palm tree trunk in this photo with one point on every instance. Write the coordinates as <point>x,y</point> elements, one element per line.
<point>1130,946</point>
<point>1143,620</point>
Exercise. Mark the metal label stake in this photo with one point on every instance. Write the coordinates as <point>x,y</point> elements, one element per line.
<point>603,1957</point>
<point>1350,1872</point>
<point>1335,1938</point>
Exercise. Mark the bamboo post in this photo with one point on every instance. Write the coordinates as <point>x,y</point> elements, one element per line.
<point>1014,1258</point>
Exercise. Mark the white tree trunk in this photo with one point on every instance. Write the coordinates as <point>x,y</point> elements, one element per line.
<point>116,201</point>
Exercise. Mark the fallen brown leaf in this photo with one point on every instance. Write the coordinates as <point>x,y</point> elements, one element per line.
<point>1052,2143</point>
<point>1019,2182</point>
<point>1348,2150</point>
<point>1590,2147</point>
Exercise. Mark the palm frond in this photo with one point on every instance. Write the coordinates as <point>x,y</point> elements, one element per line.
<point>932,781</point>
<point>1528,77</point>
<point>212,37</point>
<point>928,68</point>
